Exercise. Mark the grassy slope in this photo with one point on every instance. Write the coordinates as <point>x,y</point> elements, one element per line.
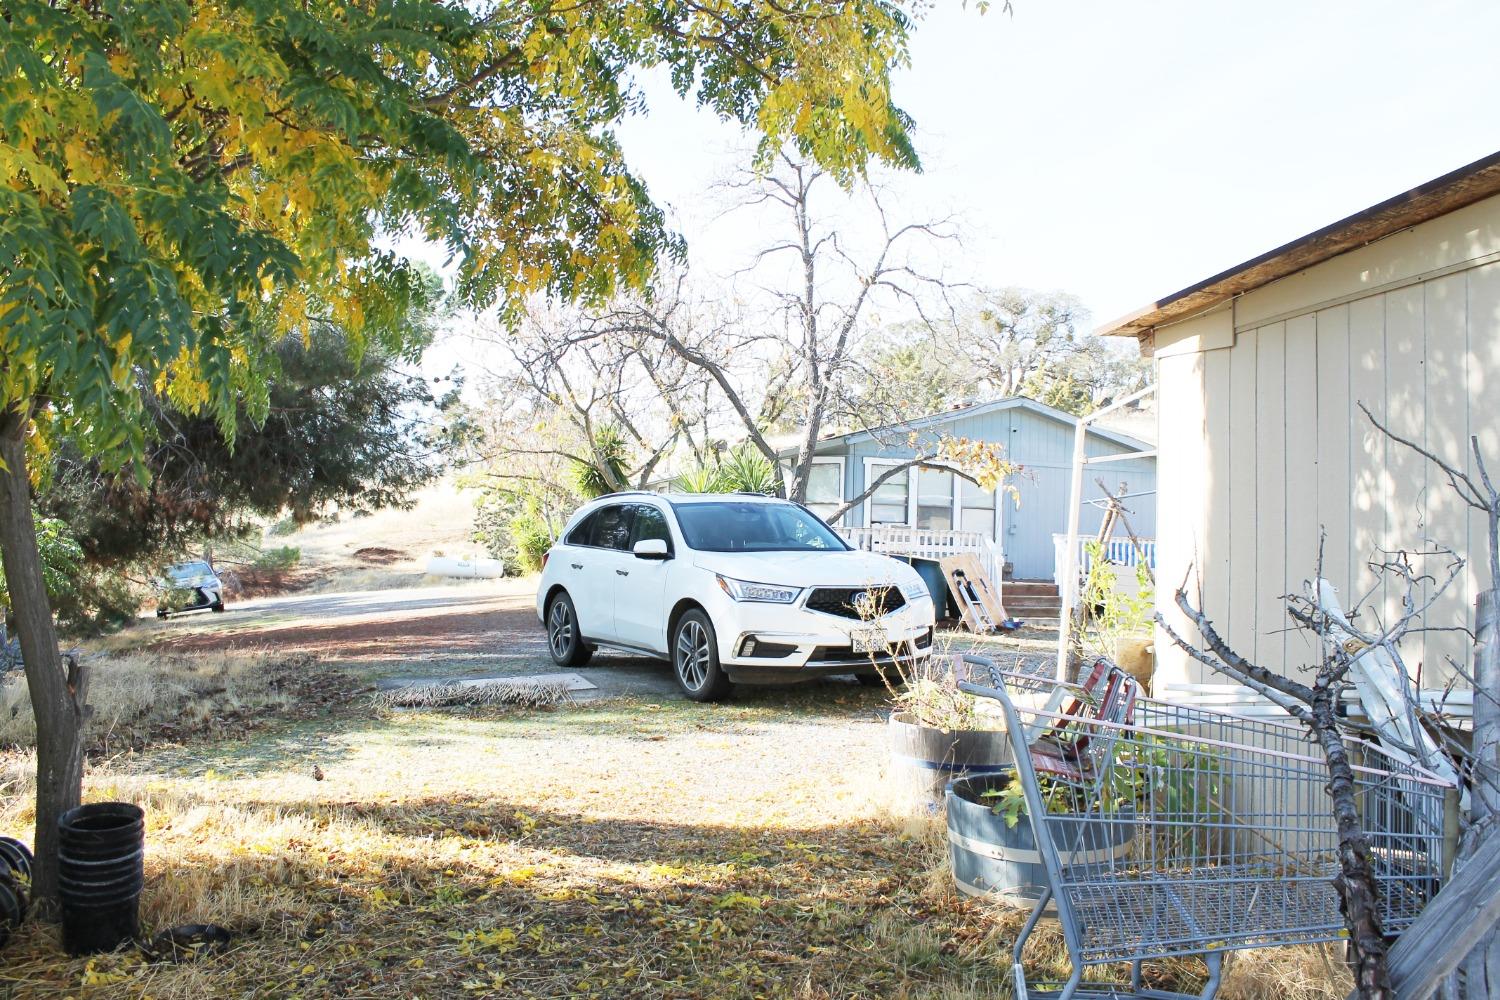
<point>442,520</point>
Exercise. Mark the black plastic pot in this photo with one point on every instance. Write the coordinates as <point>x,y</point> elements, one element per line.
<point>101,856</point>
<point>99,891</point>
<point>102,830</point>
<point>12,906</point>
<point>15,874</point>
<point>924,760</point>
<point>992,859</point>
<point>16,856</point>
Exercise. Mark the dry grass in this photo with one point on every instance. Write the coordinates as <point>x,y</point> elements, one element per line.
<point>140,698</point>
<point>627,849</point>
<point>442,520</point>
<point>1304,972</point>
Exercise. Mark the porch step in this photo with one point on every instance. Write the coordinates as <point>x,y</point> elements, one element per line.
<point>1012,602</point>
<point>1036,602</point>
<point>1030,588</point>
<point>1034,614</point>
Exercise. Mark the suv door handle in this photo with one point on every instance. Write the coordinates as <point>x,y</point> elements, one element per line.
<point>576,565</point>
<point>623,572</point>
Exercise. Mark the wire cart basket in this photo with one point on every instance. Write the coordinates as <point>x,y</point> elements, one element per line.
<point>1221,830</point>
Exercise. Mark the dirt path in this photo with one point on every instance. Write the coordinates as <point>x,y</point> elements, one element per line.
<point>482,629</point>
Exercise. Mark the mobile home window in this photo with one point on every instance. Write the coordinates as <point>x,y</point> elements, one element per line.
<point>935,499</point>
<point>825,488</point>
<point>977,510</point>
<point>888,504</point>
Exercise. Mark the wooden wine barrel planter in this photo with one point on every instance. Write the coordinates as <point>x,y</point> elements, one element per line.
<point>924,760</point>
<point>1001,862</point>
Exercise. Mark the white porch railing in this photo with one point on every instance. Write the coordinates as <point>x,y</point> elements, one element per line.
<point>927,543</point>
<point>1119,551</point>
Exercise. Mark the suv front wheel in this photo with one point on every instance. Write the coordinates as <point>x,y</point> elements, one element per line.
<point>564,641</point>
<point>695,658</point>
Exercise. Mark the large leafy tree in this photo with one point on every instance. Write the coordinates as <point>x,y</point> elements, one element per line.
<point>361,434</point>
<point>183,183</point>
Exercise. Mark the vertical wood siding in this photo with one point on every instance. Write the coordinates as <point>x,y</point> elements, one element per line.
<point>1264,447</point>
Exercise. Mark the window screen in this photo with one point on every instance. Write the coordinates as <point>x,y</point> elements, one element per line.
<point>824,484</point>
<point>825,488</point>
<point>978,508</point>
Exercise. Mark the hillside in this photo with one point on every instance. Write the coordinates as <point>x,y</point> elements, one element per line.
<point>389,548</point>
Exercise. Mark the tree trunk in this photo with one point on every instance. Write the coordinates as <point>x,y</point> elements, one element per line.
<point>1358,893</point>
<point>57,694</point>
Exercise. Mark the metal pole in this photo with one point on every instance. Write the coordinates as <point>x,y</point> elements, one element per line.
<point>1070,550</point>
<point>1075,502</point>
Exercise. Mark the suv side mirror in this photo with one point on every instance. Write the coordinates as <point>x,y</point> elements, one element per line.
<point>650,548</point>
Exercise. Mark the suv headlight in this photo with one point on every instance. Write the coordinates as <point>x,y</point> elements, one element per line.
<point>915,591</point>
<point>743,590</point>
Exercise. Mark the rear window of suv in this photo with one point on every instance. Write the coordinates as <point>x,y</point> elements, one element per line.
<point>731,526</point>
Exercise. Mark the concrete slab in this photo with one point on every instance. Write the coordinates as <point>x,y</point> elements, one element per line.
<point>568,681</point>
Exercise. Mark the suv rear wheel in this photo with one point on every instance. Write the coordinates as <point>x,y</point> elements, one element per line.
<point>564,641</point>
<point>695,659</point>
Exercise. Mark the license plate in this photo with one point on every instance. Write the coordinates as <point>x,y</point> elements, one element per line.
<point>868,640</point>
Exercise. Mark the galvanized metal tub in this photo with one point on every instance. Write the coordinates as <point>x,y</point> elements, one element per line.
<point>1001,862</point>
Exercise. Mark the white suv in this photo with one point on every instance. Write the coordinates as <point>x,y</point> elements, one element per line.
<point>729,588</point>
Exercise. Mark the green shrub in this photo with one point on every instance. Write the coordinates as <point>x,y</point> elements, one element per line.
<point>703,479</point>
<point>282,528</point>
<point>531,538</point>
<point>85,600</point>
<point>746,470</point>
<point>513,530</point>
<point>271,560</point>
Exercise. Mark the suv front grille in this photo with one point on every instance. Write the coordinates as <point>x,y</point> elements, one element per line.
<point>855,602</point>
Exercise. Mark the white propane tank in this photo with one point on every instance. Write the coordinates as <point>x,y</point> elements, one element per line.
<point>467,569</point>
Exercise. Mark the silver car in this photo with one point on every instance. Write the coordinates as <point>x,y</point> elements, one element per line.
<point>188,586</point>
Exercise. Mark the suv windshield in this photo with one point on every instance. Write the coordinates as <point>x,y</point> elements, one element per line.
<point>754,527</point>
<point>184,571</point>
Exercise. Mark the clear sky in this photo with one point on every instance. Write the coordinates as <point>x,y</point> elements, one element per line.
<point>1122,150</point>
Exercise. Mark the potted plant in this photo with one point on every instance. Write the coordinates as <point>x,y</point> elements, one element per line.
<point>1120,601</point>
<point>938,733</point>
<point>993,853</point>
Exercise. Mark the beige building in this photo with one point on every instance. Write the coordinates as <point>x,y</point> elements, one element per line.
<point>1261,369</point>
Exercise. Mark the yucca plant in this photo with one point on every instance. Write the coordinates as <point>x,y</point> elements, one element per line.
<point>743,470</point>
<point>589,478</point>
<point>701,479</point>
<point>747,470</point>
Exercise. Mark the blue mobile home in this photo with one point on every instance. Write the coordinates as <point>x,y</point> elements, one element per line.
<point>936,503</point>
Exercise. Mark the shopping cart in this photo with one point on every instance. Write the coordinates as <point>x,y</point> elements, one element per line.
<point>1222,828</point>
